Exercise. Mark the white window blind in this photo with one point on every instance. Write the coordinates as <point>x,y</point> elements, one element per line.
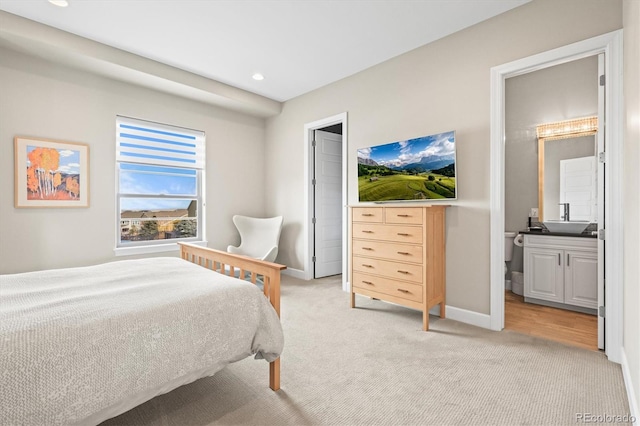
<point>146,142</point>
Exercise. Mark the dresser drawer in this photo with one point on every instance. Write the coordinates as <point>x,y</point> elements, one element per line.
<point>386,286</point>
<point>367,214</point>
<point>389,251</point>
<point>406,215</point>
<point>395,233</point>
<point>400,271</point>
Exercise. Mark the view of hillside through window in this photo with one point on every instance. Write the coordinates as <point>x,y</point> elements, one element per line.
<point>157,203</point>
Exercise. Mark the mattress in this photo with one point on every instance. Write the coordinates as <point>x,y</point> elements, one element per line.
<point>81,345</point>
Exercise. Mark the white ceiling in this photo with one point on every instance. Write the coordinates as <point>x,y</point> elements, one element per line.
<point>299,45</point>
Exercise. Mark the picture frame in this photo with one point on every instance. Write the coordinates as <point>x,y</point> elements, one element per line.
<point>50,173</point>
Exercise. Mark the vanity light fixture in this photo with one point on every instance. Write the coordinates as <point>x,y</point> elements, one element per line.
<point>258,77</point>
<point>60,3</point>
<point>568,128</point>
<point>578,127</point>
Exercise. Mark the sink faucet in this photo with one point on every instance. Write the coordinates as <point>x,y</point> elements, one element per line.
<point>565,216</point>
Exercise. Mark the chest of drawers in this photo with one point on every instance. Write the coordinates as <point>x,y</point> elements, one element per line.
<point>398,255</point>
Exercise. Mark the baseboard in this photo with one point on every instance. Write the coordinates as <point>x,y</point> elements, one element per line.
<point>465,316</point>
<point>507,284</point>
<point>631,394</point>
<point>295,273</point>
<point>469,317</point>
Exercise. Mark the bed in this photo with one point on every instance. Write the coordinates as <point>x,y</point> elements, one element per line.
<point>81,345</point>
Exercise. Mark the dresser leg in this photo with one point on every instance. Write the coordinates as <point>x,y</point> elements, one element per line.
<point>353,300</point>
<point>442,313</point>
<point>425,320</point>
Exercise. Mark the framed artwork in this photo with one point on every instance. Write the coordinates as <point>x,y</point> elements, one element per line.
<point>51,173</point>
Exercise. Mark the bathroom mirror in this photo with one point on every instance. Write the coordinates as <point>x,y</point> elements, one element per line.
<point>567,169</point>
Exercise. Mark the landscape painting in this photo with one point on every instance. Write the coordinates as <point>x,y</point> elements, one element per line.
<point>423,168</point>
<point>50,173</point>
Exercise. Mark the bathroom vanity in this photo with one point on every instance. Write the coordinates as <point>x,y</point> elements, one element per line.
<point>561,271</point>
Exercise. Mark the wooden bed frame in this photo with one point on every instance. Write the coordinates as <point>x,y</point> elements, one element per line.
<point>227,264</point>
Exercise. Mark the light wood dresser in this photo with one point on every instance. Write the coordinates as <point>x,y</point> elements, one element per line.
<point>398,255</point>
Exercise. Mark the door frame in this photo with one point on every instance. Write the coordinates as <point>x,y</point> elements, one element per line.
<point>611,45</point>
<point>308,194</point>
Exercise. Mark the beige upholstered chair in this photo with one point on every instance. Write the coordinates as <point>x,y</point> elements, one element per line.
<point>259,237</point>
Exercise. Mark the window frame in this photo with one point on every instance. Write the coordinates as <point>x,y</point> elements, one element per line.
<point>164,245</point>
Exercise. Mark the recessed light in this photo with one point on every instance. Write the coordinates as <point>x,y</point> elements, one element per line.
<point>258,76</point>
<point>60,3</point>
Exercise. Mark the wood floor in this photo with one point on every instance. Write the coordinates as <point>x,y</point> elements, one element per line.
<point>572,328</point>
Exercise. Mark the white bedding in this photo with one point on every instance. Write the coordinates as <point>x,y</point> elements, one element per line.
<point>81,345</point>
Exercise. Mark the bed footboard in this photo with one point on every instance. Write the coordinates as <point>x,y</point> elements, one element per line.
<point>228,264</point>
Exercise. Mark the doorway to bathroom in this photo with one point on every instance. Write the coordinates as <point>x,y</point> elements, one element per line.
<point>552,181</point>
<point>609,223</point>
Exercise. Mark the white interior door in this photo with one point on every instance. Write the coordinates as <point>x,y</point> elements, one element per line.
<point>327,204</point>
<point>601,185</point>
<point>578,187</point>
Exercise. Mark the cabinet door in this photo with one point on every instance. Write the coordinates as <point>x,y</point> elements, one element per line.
<point>544,274</point>
<point>581,279</point>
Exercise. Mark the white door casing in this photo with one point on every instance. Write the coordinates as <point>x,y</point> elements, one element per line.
<point>611,221</point>
<point>307,273</point>
<point>327,204</point>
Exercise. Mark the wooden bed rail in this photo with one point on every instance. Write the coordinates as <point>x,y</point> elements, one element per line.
<point>247,268</point>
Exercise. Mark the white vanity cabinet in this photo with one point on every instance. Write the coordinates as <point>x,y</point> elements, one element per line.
<point>561,270</point>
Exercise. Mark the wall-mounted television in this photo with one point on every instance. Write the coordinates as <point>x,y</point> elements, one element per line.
<point>417,169</point>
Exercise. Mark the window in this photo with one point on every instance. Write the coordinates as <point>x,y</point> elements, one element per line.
<point>159,173</point>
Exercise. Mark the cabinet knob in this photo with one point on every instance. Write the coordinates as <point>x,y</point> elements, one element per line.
<point>402,290</point>
<point>366,231</point>
<point>403,234</point>
<point>367,266</point>
<point>367,282</point>
<point>404,253</point>
<point>367,248</point>
<point>403,272</point>
<point>367,214</point>
<point>403,215</point>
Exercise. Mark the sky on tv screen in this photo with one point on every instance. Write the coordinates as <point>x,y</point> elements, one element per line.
<point>398,154</point>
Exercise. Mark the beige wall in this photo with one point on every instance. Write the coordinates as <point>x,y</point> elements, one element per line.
<point>631,338</point>
<point>45,100</point>
<point>438,87</point>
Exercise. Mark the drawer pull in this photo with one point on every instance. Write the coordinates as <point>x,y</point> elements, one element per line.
<point>403,215</point>
<point>367,214</point>
<point>403,272</point>
<point>367,248</point>
<point>366,231</point>
<point>402,290</point>
<point>367,282</point>
<point>403,234</point>
<point>367,266</point>
<point>404,253</point>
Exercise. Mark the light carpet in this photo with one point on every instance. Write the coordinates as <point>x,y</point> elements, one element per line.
<point>373,365</point>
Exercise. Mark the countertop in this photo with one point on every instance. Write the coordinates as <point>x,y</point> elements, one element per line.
<point>585,234</point>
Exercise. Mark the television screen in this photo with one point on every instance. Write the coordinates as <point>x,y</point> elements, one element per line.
<point>416,169</point>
